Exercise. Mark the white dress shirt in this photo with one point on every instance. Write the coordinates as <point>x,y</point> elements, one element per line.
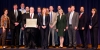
<point>43,19</point>
<point>16,13</point>
<point>70,17</point>
<point>32,15</point>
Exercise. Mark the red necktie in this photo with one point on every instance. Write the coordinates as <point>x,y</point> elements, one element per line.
<point>80,15</point>
<point>31,16</point>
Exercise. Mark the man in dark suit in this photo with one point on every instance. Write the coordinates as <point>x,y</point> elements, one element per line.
<point>38,35</point>
<point>30,31</point>
<point>26,34</point>
<point>15,26</point>
<point>66,35</point>
<point>83,27</point>
<point>72,25</point>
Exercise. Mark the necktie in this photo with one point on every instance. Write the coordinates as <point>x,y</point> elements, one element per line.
<point>51,17</point>
<point>31,16</point>
<point>15,13</point>
<point>80,15</point>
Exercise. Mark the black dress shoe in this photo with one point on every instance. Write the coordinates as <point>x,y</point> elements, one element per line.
<point>17,46</point>
<point>54,46</point>
<point>94,48</point>
<point>12,46</point>
<point>69,46</point>
<point>46,48</point>
<point>74,47</point>
<point>82,47</point>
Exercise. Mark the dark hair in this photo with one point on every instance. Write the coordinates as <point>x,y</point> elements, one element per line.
<point>15,4</point>
<point>39,7</point>
<point>5,9</point>
<point>72,6</point>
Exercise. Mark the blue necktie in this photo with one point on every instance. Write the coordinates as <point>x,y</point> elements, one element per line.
<point>51,17</point>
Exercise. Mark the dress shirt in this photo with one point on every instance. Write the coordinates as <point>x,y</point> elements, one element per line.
<point>22,10</point>
<point>32,15</point>
<point>70,18</point>
<point>51,13</point>
<point>43,19</point>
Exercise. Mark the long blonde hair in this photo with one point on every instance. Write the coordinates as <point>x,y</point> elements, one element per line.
<point>45,13</point>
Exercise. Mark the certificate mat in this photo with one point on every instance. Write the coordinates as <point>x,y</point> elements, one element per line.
<point>31,22</point>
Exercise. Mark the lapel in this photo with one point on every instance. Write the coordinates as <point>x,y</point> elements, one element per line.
<point>73,16</point>
<point>61,17</point>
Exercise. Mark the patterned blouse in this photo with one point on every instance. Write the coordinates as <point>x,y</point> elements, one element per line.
<point>5,22</point>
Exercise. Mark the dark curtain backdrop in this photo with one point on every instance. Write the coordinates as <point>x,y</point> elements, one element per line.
<point>88,4</point>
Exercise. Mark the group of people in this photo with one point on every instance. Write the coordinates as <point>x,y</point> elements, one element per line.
<point>49,23</point>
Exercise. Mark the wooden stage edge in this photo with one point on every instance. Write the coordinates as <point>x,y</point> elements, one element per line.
<point>50,48</point>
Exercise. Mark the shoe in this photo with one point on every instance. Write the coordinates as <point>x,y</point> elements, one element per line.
<point>54,46</point>
<point>4,47</point>
<point>94,48</point>
<point>46,47</point>
<point>74,47</point>
<point>60,46</point>
<point>17,46</point>
<point>69,46</point>
<point>12,46</point>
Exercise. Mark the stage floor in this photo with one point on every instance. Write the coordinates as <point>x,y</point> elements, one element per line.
<point>50,48</point>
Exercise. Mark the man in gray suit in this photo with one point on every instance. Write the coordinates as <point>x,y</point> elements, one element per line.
<point>72,25</point>
<point>52,25</point>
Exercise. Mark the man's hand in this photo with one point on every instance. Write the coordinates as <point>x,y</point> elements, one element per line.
<point>90,27</point>
<point>22,28</point>
<point>36,26</point>
<point>57,30</point>
<point>67,27</point>
<point>25,25</point>
<point>51,26</point>
<point>44,27</point>
<point>16,23</point>
<point>82,28</point>
<point>75,28</point>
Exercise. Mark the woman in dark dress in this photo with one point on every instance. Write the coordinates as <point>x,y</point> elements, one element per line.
<point>5,24</point>
<point>44,28</point>
<point>93,26</point>
<point>60,26</point>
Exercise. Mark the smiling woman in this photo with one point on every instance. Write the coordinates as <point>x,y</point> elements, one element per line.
<point>5,25</point>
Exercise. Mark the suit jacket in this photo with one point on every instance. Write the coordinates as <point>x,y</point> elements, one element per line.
<point>82,21</point>
<point>61,23</point>
<point>27,16</point>
<point>54,20</point>
<point>95,23</point>
<point>39,18</point>
<point>13,19</point>
<point>47,20</point>
<point>67,17</point>
<point>75,19</point>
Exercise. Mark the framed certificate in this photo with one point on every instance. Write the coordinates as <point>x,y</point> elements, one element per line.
<point>31,23</point>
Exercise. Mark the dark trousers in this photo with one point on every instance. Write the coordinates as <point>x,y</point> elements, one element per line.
<point>15,36</point>
<point>83,36</point>
<point>31,37</point>
<point>72,36</point>
<point>3,36</point>
<point>44,36</point>
<point>26,37</point>
<point>94,37</point>
<point>38,38</point>
<point>66,41</point>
